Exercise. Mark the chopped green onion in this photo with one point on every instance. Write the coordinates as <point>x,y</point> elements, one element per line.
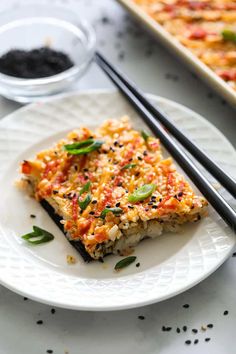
<point>115,211</point>
<point>85,188</point>
<point>142,193</point>
<point>145,135</point>
<point>130,165</point>
<point>229,35</point>
<point>84,203</point>
<point>38,236</point>
<point>125,262</point>
<point>83,147</point>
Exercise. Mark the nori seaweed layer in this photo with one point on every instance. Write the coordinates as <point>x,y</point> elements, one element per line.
<point>78,245</point>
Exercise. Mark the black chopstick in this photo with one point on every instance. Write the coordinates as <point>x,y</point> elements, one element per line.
<point>215,170</point>
<point>216,200</point>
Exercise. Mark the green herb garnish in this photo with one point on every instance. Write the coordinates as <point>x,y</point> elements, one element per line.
<point>83,147</point>
<point>38,236</point>
<point>128,166</point>
<point>125,262</point>
<point>84,203</point>
<point>85,188</point>
<point>142,193</point>
<point>115,211</point>
<point>145,135</point>
<point>229,35</point>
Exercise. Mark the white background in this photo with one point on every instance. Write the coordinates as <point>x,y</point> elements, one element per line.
<point>156,71</point>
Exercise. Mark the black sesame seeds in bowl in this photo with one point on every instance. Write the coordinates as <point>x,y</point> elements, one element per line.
<point>58,53</point>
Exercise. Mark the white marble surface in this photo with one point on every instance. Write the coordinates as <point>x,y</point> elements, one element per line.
<point>122,332</point>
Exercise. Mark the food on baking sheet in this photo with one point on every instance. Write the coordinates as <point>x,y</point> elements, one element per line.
<point>206,27</point>
<point>112,188</point>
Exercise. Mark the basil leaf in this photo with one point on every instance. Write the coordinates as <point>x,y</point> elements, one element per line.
<point>84,203</point>
<point>87,147</point>
<point>38,236</point>
<point>115,211</point>
<point>229,35</point>
<point>125,262</point>
<point>130,165</point>
<point>145,135</point>
<point>85,188</point>
<point>142,193</point>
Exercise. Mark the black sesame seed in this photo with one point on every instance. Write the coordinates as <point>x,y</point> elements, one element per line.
<point>94,201</point>
<point>141,317</point>
<point>154,207</point>
<point>117,204</point>
<point>196,341</point>
<point>53,311</point>
<point>194,330</point>
<point>178,330</point>
<point>119,184</point>
<point>49,351</point>
<point>86,177</point>
<point>55,192</point>
<point>116,143</point>
<point>207,339</point>
<point>137,265</point>
<point>39,322</point>
<point>168,329</point>
<point>76,168</point>
<point>145,153</point>
<point>185,328</point>
<point>234,254</point>
<point>130,207</point>
<point>186,306</point>
<point>131,159</point>
<point>32,216</point>
<point>111,148</point>
<point>108,206</point>
<point>146,209</point>
<point>25,298</point>
<point>188,342</point>
<point>137,174</point>
<point>180,194</point>
<point>210,325</point>
<point>163,328</point>
<point>85,170</point>
<point>226,313</point>
<point>140,158</point>
<point>121,145</point>
<point>92,212</point>
<point>153,197</point>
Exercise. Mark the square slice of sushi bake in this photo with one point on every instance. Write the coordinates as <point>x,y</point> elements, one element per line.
<point>111,188</point>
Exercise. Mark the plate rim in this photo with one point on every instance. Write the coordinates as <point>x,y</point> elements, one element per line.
<point>140,302</point>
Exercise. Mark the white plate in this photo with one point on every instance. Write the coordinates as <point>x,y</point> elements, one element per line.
<point>169,265</point>
<point>184,53</point>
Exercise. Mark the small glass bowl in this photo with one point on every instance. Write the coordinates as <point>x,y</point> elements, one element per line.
<point>34,26</point>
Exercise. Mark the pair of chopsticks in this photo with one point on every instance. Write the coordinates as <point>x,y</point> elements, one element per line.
<point>161,126</point>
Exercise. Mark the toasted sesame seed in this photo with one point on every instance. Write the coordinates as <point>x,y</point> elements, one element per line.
<point>168,329</point>
<point>203,328</point>
<point>207,339</point>
<point>141,317</point>
<point>186,306</point>
<point>188,342</point>
<point>226,313</point>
